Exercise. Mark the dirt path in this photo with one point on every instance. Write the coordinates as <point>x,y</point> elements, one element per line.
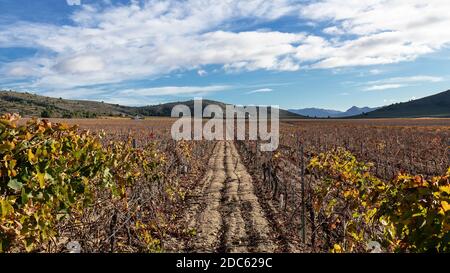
<point>225,212</point>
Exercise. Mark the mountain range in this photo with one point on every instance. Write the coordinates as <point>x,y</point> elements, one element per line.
<point>28,104</point>
<point>325,113</point>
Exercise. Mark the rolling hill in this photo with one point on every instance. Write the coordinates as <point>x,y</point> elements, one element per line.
<point>432,106</point>
<point>28,105</point>
<point>166,109</point>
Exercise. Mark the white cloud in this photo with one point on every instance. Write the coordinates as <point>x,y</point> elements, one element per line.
<point>409,80</point>
<point>134,96</point>
<point>174,90</point>
<point>19,71</point>
<point>131,101</point>
<point>384,87</point>
<point>202,73</point>
<point>81,64</point>
<point>412,79</point>
<point>262,90</point>
<point>385,31</point>
<point>73,2</point>
<point>140,41</point>
<point>375,71</point>
<point>334,30</point>
<point>146,39</point>
<point>398,82</point>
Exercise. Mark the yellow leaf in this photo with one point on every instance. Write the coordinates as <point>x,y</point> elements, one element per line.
<point>7,146</point>
<point>41,179</point>
<point>445,189</point>
<point>31,157</point>
<point>445,206</point>
<point>337,249</point>
<point>5,207</point>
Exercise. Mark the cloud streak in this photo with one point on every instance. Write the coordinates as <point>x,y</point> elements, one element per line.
<point>262,90</point>
<point>73,2</point>
<point>175,90</point>
<point>399,82</point>
<point>384,87</point>
<point>411,79</point>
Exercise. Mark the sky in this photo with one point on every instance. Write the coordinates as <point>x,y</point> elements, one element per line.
<point>331,54</point>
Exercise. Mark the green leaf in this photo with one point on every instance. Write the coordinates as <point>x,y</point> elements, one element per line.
<point>6,208</point>
<point>4,148</point>
<point>24,196</point>
<point>15,185</point>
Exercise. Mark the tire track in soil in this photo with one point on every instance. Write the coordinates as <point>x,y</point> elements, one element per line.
<point>226,214</point>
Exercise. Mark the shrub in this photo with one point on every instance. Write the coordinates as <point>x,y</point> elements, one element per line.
<point>407,214</point>
<point>46,171</point>
<point>417,213</point>
<point>50,173</point>
<point>46,113</point>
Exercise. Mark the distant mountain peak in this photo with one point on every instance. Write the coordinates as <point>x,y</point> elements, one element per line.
<point>353,108</point>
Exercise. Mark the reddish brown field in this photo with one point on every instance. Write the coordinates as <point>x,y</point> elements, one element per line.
<point>286,190</point>
<point>416,145</point>
<point>230,197</point>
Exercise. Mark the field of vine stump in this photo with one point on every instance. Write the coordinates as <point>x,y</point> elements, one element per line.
<point>233,208</point>
<point>314,194</point>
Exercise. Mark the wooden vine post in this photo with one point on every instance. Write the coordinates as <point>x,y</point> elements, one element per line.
<point>302,177</point>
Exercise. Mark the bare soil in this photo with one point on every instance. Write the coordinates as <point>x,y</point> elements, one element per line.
<point>225,212</point>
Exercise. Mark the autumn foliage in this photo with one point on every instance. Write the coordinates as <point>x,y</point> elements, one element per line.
<point>407,214</point>
<point>52,173</point>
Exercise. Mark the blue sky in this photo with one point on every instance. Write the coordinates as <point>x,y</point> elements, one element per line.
<point>292,53</point>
